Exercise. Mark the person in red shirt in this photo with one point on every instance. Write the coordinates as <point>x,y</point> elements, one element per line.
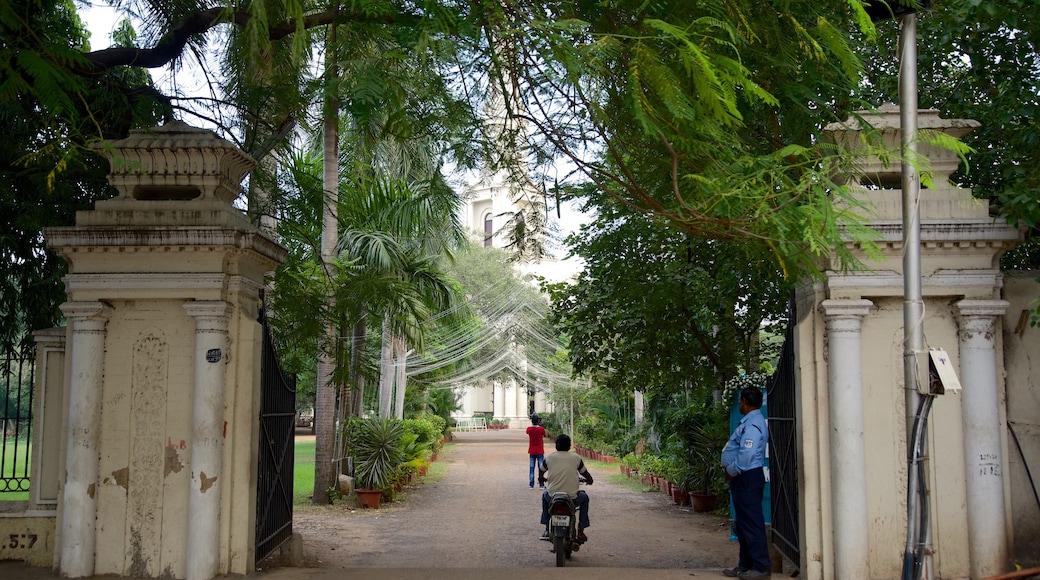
<point>536,447</point>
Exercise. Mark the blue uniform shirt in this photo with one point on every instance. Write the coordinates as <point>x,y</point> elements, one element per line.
<point>746,448</point>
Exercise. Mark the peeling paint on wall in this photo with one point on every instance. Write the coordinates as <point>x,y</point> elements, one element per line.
<point>173,462</point>
<point>120,476</point>
<point>207,482</point>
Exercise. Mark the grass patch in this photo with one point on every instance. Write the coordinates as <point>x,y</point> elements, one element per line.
<point>16,455</point>
<point>626,482</point>
<point>438,469</point>
<point>303,472</point>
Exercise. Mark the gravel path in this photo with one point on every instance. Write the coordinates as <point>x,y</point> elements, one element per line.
<point>482,515</point>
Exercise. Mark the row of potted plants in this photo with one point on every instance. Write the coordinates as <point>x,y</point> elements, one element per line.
<point>593,454</point>
<point>389,453</point>
<point>685,482</point>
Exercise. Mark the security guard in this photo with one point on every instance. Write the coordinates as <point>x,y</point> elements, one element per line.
<point>742,458</point>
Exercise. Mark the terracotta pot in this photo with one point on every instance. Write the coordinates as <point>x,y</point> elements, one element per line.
<point>680,497</point>
<point>703,502</point>
<point>368,498</point>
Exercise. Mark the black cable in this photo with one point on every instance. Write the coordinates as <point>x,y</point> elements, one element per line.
<point>1024,464</point>
<point>911,556</point>
<point>922,486</point>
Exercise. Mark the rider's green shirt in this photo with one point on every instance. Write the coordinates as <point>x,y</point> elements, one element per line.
<point>562,472</point>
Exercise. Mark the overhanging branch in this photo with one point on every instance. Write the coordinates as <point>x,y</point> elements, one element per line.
<point>171,45</point>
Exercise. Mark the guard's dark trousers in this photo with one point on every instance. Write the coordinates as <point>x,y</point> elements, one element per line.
<point>746,490</point>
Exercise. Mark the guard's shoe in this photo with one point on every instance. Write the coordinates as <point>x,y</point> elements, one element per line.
<point>754,575</point>
<point>733,572</point>
<point>582,538</point>
<point>545,536</point>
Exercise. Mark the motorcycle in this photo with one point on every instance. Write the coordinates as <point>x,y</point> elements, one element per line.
<point>563,528</point>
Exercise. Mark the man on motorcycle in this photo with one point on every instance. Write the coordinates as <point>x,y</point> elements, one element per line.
<point>563,468</point>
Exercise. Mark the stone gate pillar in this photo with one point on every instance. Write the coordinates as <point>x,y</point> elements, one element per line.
<point>164,350</point>
<point>847,446</point>
<point>983,452</point>
<point>211,338</point>
<point>79,504</point>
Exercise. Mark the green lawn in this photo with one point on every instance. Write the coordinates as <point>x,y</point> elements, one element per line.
<point>303,472</point>
<point>14,466</point>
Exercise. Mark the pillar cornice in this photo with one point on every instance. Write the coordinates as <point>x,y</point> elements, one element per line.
<point>89,315</point>
<point>845,310</point>
<point>210,315</point>
<point>982,308</point>
<point>979,316</point>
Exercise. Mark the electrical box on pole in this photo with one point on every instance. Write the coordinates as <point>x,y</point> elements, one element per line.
<point>942,378</point>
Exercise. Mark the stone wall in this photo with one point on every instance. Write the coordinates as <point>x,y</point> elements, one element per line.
<point>1022,364</point>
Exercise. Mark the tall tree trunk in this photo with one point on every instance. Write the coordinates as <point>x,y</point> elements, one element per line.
<point>386,375</point>
<point>401,380</point>
<point>358,344</point>
<point>325,391</point>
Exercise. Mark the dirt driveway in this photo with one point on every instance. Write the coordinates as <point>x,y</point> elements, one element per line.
<point>482,515</point>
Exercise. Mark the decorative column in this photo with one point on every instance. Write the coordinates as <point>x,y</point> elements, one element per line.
<point>510,399</point>
<point>848,463</point>
<point>87,322</point>
<point>207,443</point>
<point>499,401</point>
<point>983,460</point>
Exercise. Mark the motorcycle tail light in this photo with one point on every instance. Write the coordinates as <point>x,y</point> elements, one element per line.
<point>559,509</point>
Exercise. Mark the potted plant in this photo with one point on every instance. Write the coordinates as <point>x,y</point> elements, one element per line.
<point>706,477</point>
<point>377,454</point>
<point>629,463</point>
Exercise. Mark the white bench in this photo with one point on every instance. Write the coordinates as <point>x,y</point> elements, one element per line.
<point>470,424</point>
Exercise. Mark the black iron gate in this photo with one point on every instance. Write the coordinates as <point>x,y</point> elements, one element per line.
<point>16,406</point>
<point>275,475</point>
<point>783,456</point>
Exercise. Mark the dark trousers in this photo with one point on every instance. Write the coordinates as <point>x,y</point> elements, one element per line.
<point>746,490</point>
<point>581,503</point>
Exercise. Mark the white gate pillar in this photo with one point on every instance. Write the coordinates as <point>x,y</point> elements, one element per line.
<point>87,322</point>
<point>499,402</point>
<point>983,460</point>
<point>847,448</point>
<point>207,443</point>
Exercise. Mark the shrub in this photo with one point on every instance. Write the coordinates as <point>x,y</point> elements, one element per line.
<point>378,450</point>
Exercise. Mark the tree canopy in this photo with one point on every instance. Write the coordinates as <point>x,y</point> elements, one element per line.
<point>703,115</point>
<point>662,310</point>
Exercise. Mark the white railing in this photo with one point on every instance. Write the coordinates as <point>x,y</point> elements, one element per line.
<point>470,424</point>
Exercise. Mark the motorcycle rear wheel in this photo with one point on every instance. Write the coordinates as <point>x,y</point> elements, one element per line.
<point>560,546</point>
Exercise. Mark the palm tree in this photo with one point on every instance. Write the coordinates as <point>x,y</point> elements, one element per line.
<point>398,227</point>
